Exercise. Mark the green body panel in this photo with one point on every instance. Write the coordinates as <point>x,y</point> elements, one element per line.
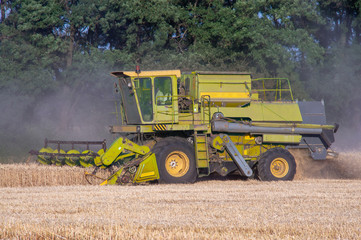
<point>124,148</point>
<point>147,170</point>
<point>259,111</point>
<point>113,152</point>
<point>224,84</point>
<point>118,147</point>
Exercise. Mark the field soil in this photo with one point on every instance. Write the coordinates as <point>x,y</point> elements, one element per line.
<point>44,202</point>
<point>233,209</point>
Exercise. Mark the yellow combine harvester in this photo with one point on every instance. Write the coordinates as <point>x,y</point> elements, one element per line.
<point>177,127</point>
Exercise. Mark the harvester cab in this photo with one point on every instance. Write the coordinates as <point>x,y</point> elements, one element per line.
<point>148,97</point>
<point>176,127</point>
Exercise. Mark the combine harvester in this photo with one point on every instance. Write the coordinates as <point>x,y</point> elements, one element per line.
<point>177,127</point>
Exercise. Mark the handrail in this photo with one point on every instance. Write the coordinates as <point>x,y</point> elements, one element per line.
<point>277,90</point>
<point>208,99</point>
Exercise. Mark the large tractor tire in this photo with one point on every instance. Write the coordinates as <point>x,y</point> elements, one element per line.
<point>175,160</point>
<point>277,164</point>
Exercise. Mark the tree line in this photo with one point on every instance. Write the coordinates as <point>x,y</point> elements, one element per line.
<point>51,45</point>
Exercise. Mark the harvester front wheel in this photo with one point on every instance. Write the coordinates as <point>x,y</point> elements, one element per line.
<point>277,164</point>
<point>176,161</point>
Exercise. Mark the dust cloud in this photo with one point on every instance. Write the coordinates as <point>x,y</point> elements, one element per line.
<point>347,165</point>
<point>67,114</point>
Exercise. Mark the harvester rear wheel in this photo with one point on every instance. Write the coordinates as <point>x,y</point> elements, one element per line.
<point>176,161</point>
<point>277,164</point>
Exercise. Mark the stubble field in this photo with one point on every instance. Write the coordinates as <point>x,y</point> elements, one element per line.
<point>324,202</point>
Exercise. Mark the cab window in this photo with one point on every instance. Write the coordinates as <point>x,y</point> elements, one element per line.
<point>143,88</point>
<point>187,84</point>
<point>163,90</point>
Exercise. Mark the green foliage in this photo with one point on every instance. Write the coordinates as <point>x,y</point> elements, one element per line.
<point>49,46</point>
<point>19,60</point>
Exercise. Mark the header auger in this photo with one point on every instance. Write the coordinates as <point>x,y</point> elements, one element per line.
<point>178,127</point>
<point>122,154</point>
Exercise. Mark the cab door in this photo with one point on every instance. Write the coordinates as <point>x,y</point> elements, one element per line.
<point>165,99</point>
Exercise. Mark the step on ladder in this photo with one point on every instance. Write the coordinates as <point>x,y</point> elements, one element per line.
<point>201,153</point>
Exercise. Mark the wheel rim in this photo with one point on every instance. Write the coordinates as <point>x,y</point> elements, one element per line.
<point>177,164</point>
<point>279,167</point>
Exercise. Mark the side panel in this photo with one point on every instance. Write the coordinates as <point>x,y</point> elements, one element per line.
<point>225,89</point>
<point>313,112</point>
<point>263,112</point>
<point>224,83</point>
<point>147,170</point>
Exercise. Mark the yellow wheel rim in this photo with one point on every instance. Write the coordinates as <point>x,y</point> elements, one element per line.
<point>279,167</point>
<point>177,164</point>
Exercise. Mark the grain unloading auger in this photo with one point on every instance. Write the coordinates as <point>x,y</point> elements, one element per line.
<point>188,125</point>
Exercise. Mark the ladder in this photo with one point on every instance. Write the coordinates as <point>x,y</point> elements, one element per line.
<point>201,153</point>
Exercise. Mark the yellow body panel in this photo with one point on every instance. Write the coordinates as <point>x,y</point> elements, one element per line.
<point>281,138</point>
<point>264,111</point>
<point>147,170</point>
<point>226,95</point>
<point>224,83</point>
<point>115,149</point>
<point>118,147</point>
